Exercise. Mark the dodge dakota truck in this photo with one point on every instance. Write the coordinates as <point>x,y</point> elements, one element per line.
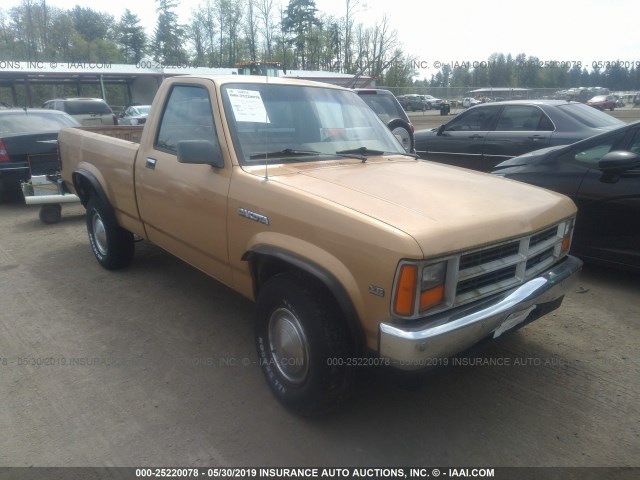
<point>355,252</point>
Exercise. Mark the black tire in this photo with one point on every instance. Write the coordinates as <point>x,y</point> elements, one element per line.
<point>111,244</point>
<point>303,344</point>
<point>51,213</point>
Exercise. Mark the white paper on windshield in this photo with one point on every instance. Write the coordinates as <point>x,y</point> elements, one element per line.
<point>247,105</point>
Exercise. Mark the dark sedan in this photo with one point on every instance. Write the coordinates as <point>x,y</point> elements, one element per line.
<point>602,176</point>
<point>29,144</point>
<point>488,134</point>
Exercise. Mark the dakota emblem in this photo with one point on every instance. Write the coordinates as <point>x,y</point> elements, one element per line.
<point>256,217</point>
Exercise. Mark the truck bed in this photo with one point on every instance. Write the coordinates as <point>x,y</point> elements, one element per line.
<point>105,152</point>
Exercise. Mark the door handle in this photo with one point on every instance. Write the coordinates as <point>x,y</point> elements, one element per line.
<point>476,136</point>
<point>150,163</point>
<point>536,137</point>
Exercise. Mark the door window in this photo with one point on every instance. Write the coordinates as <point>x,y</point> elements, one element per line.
<point>478,119</point>
<point>187,116</point>
<point>523,118</point>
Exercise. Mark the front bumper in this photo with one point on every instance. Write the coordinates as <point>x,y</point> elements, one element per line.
<point>418,344</point>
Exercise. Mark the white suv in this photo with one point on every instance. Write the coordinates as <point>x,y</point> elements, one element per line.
<point>87,111</point>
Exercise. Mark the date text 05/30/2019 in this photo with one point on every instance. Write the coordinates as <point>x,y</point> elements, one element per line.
<point>259,473</point>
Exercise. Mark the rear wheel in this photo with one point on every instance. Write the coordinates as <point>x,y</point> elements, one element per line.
<point>303,344</point>
<point>111,244</point>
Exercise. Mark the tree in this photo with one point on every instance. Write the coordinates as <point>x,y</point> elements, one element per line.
<point>265,11</point>
<point>130,37</point>
<point>92,25</point>
<point>169,35</point>
<point>351,7</point>
<point>400,72</point>
<point>252,30</point>
<point>298,21</point>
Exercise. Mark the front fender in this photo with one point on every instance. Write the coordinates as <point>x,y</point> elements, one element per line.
<point>319,264</point>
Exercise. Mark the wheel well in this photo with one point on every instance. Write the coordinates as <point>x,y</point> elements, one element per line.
<point>266,266</point>
<point>83,187</point>
<point>87,186</point>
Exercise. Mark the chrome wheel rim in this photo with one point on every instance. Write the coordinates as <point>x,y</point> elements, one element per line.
<point>100,234</point>
<point>288,345</point>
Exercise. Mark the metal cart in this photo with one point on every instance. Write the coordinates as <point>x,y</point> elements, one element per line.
<point>47,191</point>
<point>45,187</point>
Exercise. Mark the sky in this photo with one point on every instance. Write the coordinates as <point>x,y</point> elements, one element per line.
<point>435,33</point>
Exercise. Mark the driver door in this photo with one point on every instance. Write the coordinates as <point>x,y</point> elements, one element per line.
<point>184,206</point>
<point>460,142</point>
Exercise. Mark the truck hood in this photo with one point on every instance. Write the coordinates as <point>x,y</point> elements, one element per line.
<point>444,208</point>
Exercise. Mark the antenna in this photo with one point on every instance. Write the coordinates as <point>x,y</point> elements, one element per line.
<point>266,134</point>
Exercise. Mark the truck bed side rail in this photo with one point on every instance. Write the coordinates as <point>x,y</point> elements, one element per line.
<point>131,133</point>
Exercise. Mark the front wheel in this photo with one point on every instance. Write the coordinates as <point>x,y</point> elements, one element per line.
<point>303,344</point>
<point>111,244</point>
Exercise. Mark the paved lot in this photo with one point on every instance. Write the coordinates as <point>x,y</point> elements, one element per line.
<point>155,365</point>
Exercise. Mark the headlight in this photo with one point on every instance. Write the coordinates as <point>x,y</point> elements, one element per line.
<point>418,287</point>
<point>566,238</point>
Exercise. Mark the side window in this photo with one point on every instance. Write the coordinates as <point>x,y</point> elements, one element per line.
<point>634,146</point>
<point>477,119</point>
<point>186,116</point>
<point>523,118</point>
<point>591,153</point>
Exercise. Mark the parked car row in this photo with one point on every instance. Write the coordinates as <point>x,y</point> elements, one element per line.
<point>567,147</point>
<point>414,102</point>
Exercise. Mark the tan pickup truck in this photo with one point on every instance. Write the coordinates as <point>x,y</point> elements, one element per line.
<point>297,196</point>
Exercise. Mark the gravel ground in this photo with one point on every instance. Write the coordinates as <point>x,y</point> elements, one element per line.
<point>155,366</point>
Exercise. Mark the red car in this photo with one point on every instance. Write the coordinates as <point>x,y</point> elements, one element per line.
<point>602,102</point>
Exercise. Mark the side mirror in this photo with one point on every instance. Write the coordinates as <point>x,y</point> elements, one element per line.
<point>614,164</point>
<point>200,152</point>
<point>440,130</point>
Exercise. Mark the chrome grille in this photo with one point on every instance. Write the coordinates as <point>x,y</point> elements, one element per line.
<point>496,268</point>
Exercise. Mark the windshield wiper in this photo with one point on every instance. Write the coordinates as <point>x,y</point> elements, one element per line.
<point>364,151</point>
<point>287,152</point>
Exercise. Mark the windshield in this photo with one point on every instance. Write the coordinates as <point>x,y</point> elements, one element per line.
<point>13,122</point>
<point>286,123</point>
<point>589,116</point>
